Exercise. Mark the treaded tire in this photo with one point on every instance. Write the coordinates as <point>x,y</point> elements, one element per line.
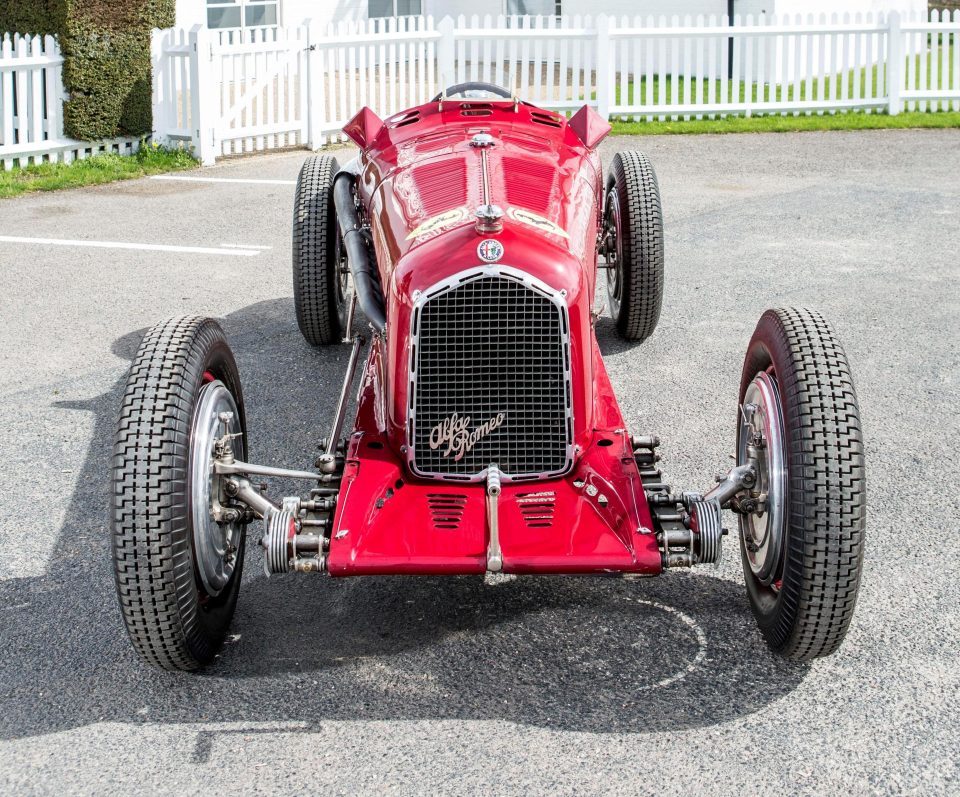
<point>635,288</point>
<point>318,294</point>
<point>171,621</point>
<point>825,503</point>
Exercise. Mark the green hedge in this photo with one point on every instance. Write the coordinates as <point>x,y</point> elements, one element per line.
<point>106,49</point>
<point>31,16</point>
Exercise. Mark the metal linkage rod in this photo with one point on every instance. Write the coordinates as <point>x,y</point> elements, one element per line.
<point>240,468</point>
<point>328,460</point>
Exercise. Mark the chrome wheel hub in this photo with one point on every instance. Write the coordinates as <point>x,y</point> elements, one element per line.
<point>614,223</point>
<point>343,269</point>
<point>760,440</point>
<point>214,543</point>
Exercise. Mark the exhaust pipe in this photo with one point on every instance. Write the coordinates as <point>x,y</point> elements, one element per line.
<point>366,281</point>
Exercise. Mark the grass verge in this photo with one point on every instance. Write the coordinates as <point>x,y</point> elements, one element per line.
<point>789,124</point>
<point>94,170</point>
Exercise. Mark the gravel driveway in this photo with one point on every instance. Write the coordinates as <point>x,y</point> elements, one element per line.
<point>537,685</point>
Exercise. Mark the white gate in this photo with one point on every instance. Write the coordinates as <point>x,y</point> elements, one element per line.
<point>260,87</point>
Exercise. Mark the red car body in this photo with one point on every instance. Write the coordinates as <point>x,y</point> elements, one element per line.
<point>420,178</point>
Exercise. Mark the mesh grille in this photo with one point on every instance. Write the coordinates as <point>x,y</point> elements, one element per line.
<point>490,347</point>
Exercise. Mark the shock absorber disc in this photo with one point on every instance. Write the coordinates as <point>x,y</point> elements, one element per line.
<point>278,542</point>
<point>706,523</point>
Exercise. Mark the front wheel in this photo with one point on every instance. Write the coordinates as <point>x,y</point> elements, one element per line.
<point>802,524</point>
<point>177,547</point>
<point>634,251</point>
<point>320,273</point>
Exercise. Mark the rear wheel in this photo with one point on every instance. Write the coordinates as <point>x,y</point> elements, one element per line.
<point>177,568</point>
<point>800,421</point>
<point>634,222</point>
<point>319,263</point>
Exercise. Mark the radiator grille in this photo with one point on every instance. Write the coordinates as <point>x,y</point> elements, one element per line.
<point>491,367</point>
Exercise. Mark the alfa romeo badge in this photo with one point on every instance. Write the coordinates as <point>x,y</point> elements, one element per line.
<point>490,250</point>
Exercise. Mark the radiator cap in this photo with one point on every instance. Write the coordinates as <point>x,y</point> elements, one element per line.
<point>489,219</point>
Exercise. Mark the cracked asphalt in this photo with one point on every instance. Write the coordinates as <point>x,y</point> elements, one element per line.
<point>537,685</point>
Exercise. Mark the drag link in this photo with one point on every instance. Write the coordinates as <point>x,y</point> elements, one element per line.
<point>240,468</point>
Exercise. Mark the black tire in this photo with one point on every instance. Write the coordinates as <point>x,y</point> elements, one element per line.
<point>805,610</point>
<point>319,285</point>
<point>635,285</point>
<point>171,620</point>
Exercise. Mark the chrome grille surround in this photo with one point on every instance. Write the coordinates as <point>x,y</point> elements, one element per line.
<point>491,340</point>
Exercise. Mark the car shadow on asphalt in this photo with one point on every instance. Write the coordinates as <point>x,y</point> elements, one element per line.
<point>603,655</point>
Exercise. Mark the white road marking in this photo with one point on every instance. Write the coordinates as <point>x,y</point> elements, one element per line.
<point>184,178</point>
<point>701,654</point>
<point>246,246</point>
<point>194,250</point>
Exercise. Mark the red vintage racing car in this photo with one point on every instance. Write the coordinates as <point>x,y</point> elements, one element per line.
<point>471,232</point>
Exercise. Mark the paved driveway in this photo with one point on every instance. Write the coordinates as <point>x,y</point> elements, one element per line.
<point>538,685</point>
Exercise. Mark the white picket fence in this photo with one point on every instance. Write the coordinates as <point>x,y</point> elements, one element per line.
<point>299,86</point>
<point>31,106</point>
<point>233,93</point>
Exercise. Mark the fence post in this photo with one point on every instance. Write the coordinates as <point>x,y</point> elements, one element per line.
<point>55,93</point>
<point>160,101</point>
<point>446,54</point>
<point>204,103</point>
<point>894,63</point>
<point>606,65</point>
<point>314,98</point>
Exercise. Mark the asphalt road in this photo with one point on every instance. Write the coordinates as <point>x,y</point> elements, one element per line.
<point>537,685</point>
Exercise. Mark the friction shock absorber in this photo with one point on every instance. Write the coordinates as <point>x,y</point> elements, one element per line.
<point>690,525</point>
<point>285,549</point>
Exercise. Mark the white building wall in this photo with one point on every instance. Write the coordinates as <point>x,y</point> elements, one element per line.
<point>643,8</point>
<point>323,11</point>
<point>828,7</point>
<point>294,12</point>
<point>439,9</point>
<point>191,12</point>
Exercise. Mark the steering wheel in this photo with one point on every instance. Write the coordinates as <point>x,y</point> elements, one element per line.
<point>475,85</point>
